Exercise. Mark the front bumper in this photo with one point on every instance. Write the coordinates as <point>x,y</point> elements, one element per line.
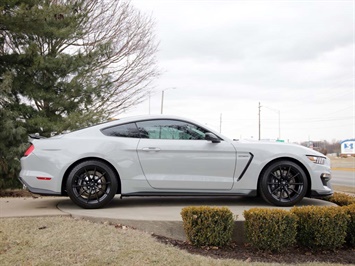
<point>322,194</point>
<point>321,176</point>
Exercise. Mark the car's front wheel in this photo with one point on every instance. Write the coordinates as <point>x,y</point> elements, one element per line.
<point>283,183</point>
<point>91,184</point>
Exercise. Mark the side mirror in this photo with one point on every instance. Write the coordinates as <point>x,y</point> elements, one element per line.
<point>212,137</point>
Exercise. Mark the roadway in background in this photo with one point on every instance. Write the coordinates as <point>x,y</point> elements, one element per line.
<point>343,178</point>
<point>343,171</point>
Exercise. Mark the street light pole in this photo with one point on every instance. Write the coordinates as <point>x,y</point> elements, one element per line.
<point>149,102</point>
<point>259,121</point>
<point>162,98</point>
<point>162,102</point>
<point>279,125</point>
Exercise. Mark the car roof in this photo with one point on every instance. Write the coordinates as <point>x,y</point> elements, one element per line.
<point>149,117</point>
<point>130,119</point>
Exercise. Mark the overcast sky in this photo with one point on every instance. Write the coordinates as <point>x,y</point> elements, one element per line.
<point>224,57</point>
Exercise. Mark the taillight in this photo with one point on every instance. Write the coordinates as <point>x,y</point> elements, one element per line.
<point>29,150</point>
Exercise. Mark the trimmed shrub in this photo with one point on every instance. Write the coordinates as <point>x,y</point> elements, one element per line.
<point>350,238</point>
<point>341,199</point>
<point>321,227</point>
<point>270,229</point>
<point>208,226</point>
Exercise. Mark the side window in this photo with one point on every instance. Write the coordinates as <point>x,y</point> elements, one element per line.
<point>170,129</point>
<point>124,131</point>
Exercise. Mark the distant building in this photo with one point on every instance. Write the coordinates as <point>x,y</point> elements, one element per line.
<point>319,146</point>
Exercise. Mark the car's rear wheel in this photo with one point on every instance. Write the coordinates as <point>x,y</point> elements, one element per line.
<point>283,183</point>
<point>91,184</point>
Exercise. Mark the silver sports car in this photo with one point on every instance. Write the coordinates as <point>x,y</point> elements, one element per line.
<point>169,156</point>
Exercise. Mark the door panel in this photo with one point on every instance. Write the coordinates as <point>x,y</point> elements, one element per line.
<point>187,164</point>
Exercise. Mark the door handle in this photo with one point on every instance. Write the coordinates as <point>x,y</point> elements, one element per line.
<point>151,149</point>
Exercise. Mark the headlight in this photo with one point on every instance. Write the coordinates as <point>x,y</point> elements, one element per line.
<point>316,159</point>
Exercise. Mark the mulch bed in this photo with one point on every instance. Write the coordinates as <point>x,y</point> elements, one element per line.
<point>247,253</point>
<point>16,193</point>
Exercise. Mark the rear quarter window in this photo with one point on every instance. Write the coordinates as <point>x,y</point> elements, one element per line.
<point>123,131</point>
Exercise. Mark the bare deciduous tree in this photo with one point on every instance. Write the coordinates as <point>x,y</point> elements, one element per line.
<point>127,61</point>
<point>75,62</point>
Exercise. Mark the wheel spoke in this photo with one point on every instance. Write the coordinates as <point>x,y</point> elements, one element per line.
<point>97,196</point>
<point>86,173</point>
<point>295,191</point>
<point>80,194</point>
<point>280,169</point>
<point>79,178</point>
<point>278,188</point>
<point>94,173</point>
<point>280,195</point>
<point>87,201</point>
<point>288,171</point>
<point>295,184</point>
<point>277,177</point>
<point>78,186</point>
<point>273,183</point>
<point>288,194</point>
<point>293,176</point>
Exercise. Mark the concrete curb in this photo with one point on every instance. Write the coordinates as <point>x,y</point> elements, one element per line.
<point>30,207</point>
<point>161,216</point>
<point>158,215</point>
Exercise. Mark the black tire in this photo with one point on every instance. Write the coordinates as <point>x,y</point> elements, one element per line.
<point>283,183</point>
<point>91,184</point>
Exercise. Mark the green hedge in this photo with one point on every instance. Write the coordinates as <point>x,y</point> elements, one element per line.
<point>325,228</point>
<point>321,227</point>
<point>341,199</point>
<point>350,210</point>
<point>208,226</point>
<point>270,229</point>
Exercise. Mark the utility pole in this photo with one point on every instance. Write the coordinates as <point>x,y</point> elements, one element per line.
<point>259,120</point>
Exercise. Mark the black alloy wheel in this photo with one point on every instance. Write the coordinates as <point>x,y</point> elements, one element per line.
<point>283,183</point>
<point>92,184</point>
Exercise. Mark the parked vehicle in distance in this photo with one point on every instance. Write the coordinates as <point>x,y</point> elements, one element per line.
<point>169,156</point>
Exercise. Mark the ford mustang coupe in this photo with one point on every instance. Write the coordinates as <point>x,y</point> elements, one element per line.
<point>169,156</point>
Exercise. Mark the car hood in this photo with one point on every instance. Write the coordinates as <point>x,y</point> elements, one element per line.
<point>276,146</point>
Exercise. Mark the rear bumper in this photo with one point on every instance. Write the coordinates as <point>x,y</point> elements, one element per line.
<point>44,192</point>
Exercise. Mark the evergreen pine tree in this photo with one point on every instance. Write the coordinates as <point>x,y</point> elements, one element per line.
<point>12,139</point>
<point>66,64</point>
